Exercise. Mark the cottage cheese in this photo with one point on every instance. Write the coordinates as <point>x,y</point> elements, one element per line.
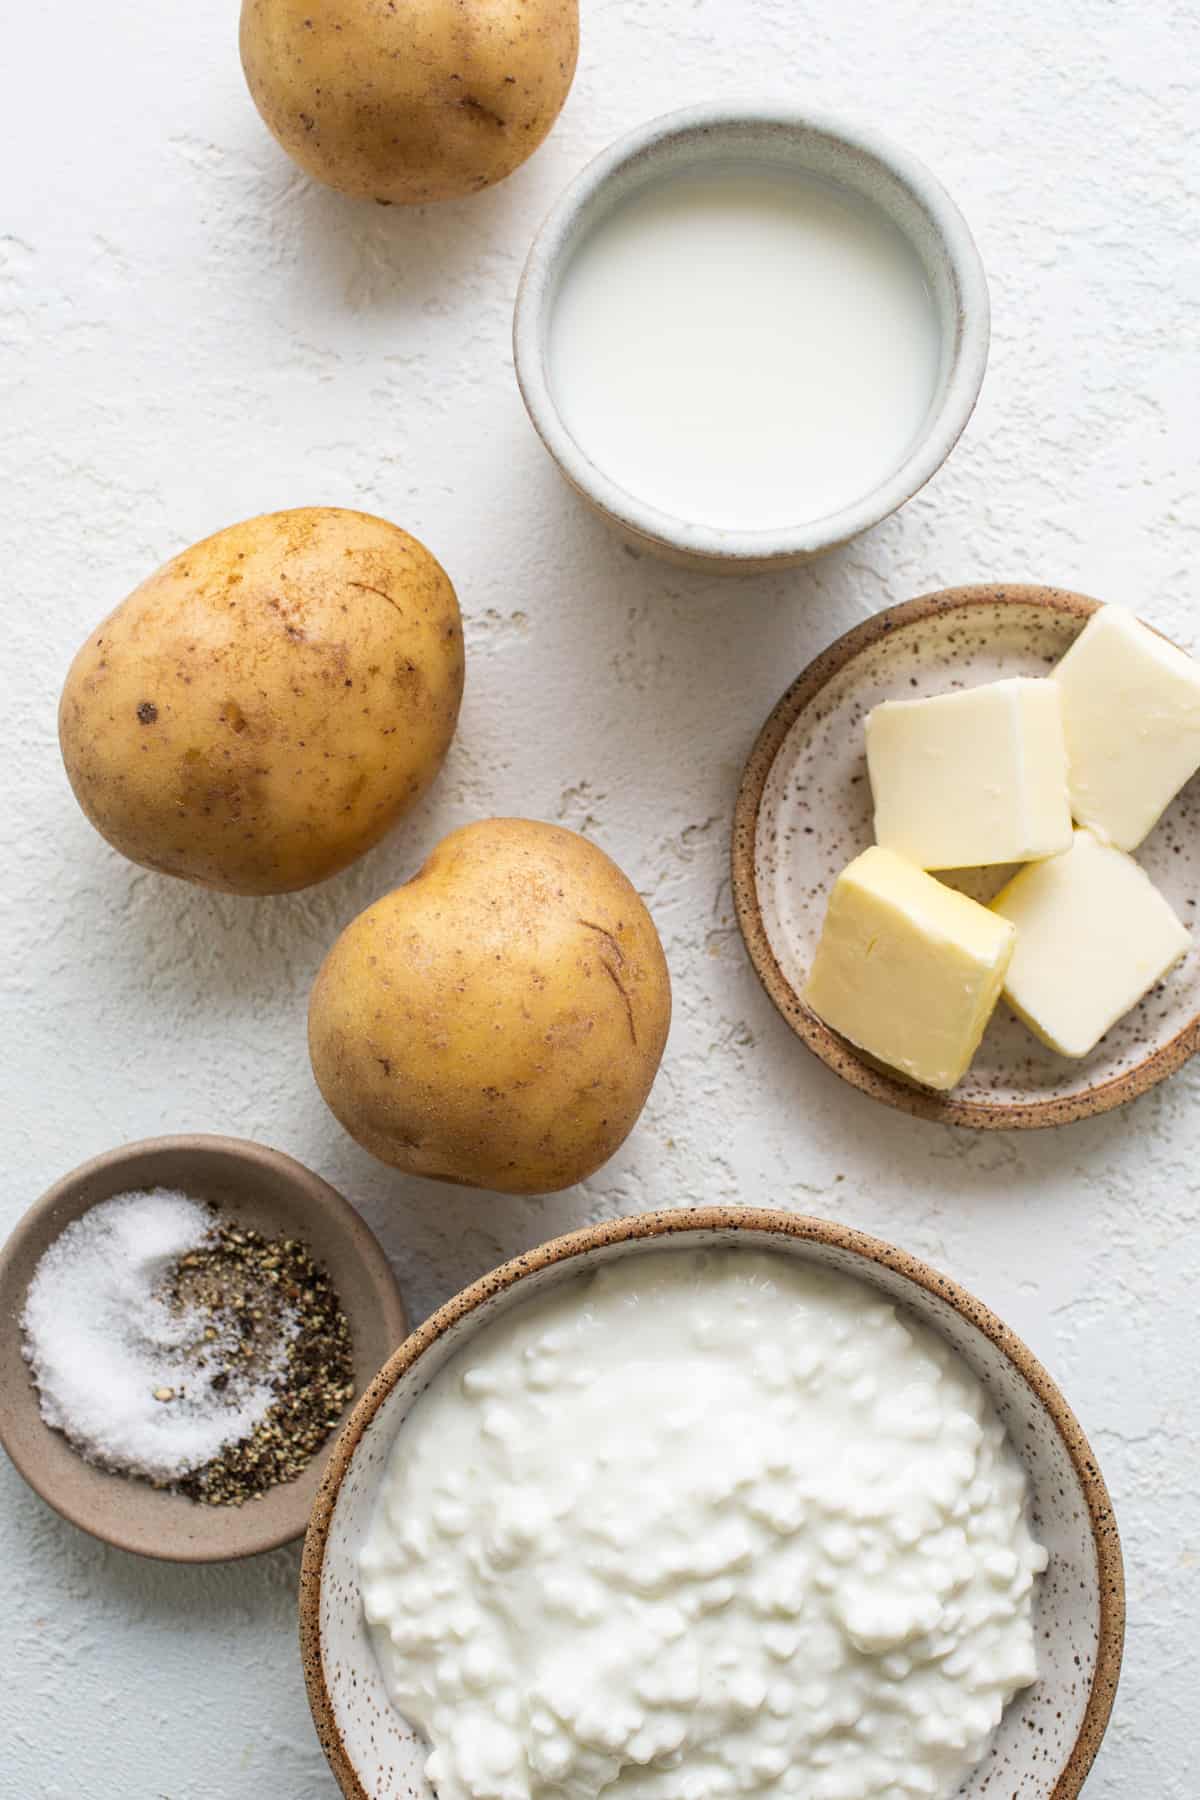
<point>701,1524</point>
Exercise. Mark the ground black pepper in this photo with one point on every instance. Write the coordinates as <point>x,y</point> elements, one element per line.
<point>249,1284</point>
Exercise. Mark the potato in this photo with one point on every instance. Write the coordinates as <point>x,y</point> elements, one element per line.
<point>265,707</point>
<point>498,1021</point>
<point>409,100</point>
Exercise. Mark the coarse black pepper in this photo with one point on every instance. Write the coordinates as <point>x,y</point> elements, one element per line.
<point>257,1291</point>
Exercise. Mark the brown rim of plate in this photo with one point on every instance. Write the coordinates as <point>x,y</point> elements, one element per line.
<point>1109,1567</point>
<point>860,1071</point>
<point>129,1514</point>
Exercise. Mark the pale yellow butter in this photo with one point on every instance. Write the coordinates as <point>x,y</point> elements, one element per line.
<point>974,777</point>
<point>908,969</point>
<point>1131,715</point>
<point>1093,935</point>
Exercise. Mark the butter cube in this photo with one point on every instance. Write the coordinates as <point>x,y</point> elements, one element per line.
<point>1131,715</point>
<point>908,969</point>
<point>1093,935</point>
<point>969,778</point>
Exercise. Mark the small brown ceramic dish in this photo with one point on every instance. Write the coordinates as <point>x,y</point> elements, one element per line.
<point>804,810</point>
<point>1051,1731</point>
<point>270,1193</point>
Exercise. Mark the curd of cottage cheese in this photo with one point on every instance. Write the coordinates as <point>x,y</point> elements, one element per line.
<point>702,1523</point>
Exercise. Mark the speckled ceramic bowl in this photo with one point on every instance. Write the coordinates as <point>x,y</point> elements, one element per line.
<point>787,137</point>
<point>1050,1733</point>
<point>804,810</point>
<point>268,1192</point>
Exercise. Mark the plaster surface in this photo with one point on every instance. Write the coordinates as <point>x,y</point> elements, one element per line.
<point>191,332</point>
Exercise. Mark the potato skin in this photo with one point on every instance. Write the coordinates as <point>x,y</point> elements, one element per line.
<point>408,101</point>
<point>263,709</point>
<point>498,1021</point>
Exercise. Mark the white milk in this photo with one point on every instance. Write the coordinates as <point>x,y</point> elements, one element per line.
<point>744,347</point>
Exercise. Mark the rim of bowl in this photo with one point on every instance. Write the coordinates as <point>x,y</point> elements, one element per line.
<point>237,1532</point>
<point>836,1052</point>
<point>944,424</point>
<point>1101,1520</point>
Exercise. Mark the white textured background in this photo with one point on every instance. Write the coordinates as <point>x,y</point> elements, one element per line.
<point>191,333</point>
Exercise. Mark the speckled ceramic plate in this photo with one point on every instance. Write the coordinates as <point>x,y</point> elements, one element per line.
<point>1050,1732</point>
<point>265,1190</point>
<point>804,810</point>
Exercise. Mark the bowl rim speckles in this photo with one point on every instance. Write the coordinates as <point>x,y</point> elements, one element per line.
<point>269,1191</point>
<point>729,1220</point>
<point>809,140</point>
<point>860,1070</point>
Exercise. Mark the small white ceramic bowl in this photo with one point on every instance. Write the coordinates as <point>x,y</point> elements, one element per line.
<point>790,138</point>
<point>1050,1732</point>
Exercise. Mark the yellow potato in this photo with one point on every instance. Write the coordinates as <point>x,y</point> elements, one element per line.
<point>409,100</point>
<point>498,1021</point>
<point>265,707</point>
